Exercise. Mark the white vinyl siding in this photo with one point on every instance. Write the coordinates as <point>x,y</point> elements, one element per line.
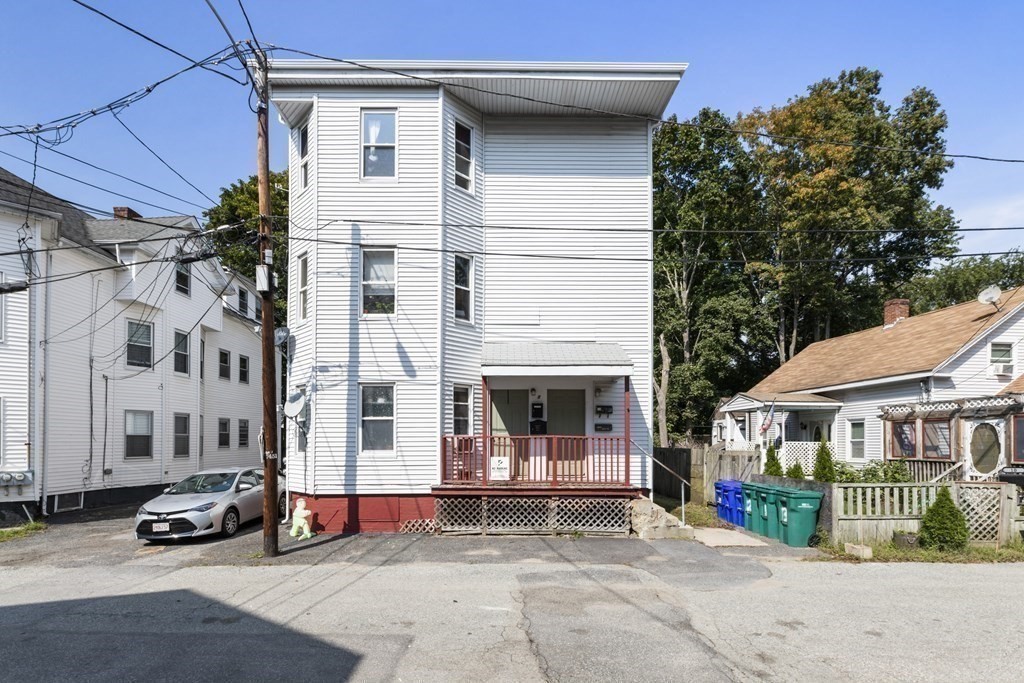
<point>138,434</point>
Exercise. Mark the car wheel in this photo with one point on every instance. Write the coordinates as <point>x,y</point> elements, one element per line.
<point>282,507</point>
<point>229,524</point>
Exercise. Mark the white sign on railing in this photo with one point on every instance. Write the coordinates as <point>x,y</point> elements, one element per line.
<point>500,470</point>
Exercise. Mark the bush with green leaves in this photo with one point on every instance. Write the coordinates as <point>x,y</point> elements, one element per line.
<point>890,472</point>
<point>772,464</point>
<point>824,465</point>
<point>846,473</point>
<point>944,526</point>
<point>796,471</point>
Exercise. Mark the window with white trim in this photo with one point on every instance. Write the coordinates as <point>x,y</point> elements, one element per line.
<point>225,364</point>
<point>243,433</point>
<point>1001,358</point>
<point>140,344</point>
<point>857,440</point>
<point>463,287</point>
<point>377,418</point>
<point>243,301</point>
<point>181,435</point>
<point>138,434</point>
<point>462,409</point>
<point>304,175</point>
<point>463,156</point>
<point>302,424</point>
<point>202,359</point>
<point>243,369</point>
<point>183,278</point>
<point>378,284</point>
<point>224,432</point>
<point>379,144</point>
<point>303,267</point>
<point>303,141</point>
<point>181,359</point>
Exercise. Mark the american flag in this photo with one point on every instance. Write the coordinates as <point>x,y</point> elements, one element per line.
<point>769,418</point>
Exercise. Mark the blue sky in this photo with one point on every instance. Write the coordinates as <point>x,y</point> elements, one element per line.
<point>62,59</point>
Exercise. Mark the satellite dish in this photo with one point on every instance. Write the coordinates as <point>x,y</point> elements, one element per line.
<point>294,405</point>
<point>990,295</point>
<point>281,335</point>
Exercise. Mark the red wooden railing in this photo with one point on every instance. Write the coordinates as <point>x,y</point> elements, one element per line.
<point>551,460</point>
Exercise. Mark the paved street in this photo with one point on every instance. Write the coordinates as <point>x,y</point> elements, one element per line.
<point>85,601</point>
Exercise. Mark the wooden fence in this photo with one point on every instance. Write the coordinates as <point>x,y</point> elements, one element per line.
<point>870,513</point>
<point>677,460</point>
<point>719,464</point>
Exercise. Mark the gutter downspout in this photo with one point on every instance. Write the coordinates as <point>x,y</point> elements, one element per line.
<point>45,423</point>
<point>442,318</point>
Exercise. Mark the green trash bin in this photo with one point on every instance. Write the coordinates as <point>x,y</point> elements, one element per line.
<point>768,507</point>
<point>751,517</point>
<point>798,516</point>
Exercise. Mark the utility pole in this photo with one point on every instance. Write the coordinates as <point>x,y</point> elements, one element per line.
<point>265,284</point>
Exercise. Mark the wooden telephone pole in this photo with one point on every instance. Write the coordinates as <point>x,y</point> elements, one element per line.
<point>265,282</point>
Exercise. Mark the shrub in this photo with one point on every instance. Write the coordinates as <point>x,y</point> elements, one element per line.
<point>772,464</point>
<point>796,471</point>
<point>943,526</point>
<point>847,474</point>
<point>824,466</point>
<point>890,472</point>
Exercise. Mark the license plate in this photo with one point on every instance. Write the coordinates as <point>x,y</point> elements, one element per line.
<point>161,526</point>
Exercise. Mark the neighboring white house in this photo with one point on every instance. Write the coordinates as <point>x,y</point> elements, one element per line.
<point>470,281</point>
<point>120,367</point>
<point>940,390</point>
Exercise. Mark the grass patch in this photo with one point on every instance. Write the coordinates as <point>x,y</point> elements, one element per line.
<point>887,552</point>
<point>21,531</point>
<point>696,515</point>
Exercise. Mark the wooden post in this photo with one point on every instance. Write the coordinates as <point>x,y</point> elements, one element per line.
<point>486,408</point>
<point>626,421</point>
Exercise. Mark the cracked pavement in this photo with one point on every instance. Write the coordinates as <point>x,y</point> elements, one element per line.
<point>85,601</point>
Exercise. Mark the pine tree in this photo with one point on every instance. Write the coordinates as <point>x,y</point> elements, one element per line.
<point>824,467</point>
<point>796,471</point>
<point>944,526</point>
<point>772,464</point>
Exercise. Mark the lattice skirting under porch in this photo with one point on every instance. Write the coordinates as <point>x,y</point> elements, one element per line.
<point>528,514</point>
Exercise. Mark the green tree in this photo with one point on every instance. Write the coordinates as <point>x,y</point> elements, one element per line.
<point>961,280</point>
<point>796,471</point>
<point>824,465</point>
<point>944,526</point>
<point>237,249</point>
<point>772,464</point>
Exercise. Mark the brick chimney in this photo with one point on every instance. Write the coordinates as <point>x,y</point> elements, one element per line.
<point>894,311</point>
<point>126,212</point>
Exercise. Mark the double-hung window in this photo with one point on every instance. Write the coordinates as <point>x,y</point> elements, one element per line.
<point>225,364</point>
<point>224,433</point>
<point>379,144</point>
<point>138,434</point>
<point>183,278</point>
<point>461,409</point>
<point>464,156</point>
<point>303,141</point>
<point>904,439</point>
<point>302,424</point>
<point>463,287</point>
<point>377,418</point>
<point>181,360</point>
<point>1001,358</point>
<point>140,344</point>
<point>857,440</point>
<point>243,433</point>
<point>258,303</point>
<point>202,359</point>
<point>243,301</point>
<point>378,294</point>
<point>243,369</point>
<point>935,439</point>
<point>303,263</point>
<point>181,435</point>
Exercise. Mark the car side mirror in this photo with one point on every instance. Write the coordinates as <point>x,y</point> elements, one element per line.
<point>167,490</point>
<point>245,486</point>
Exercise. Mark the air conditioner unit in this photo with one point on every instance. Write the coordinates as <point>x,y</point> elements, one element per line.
<point>1002,369</point>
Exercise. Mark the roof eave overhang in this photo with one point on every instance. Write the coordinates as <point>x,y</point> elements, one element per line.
<point>871,382</point>
<point>981,335</point>
<point>556,370</point>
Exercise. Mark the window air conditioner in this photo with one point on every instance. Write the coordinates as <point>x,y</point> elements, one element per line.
<point>1002,369</point>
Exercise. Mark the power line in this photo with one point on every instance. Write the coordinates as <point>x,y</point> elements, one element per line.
<point>652,119</point>
<point>161,159</point>
<point>234,42</point>
<point>154,41</point>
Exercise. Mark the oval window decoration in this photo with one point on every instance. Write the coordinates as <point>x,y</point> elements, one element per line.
<point>985,448</point>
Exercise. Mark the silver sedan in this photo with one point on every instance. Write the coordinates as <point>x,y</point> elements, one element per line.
<point>207,502</point>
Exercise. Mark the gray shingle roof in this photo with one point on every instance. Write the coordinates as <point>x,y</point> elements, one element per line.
<point>546,354</point>
<point>115,229</point>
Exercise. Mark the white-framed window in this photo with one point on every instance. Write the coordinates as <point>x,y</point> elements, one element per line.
<point>378,282</point>
<point>377,418</point>
<point>1001,358</point>
<point>138,434</point>
<point>302,426</point>
<point>202,359</point>
<point>462,409</point>
<point>181,359</point>
<point>224,362</point>
<point>243,301</point>
<point>243,369</point>
<point>303,267</point>
<point>463,287</point>
<point>243,433</point>
<point>258,303</point>
<point>379,143</point>
<point>224,432</point>
<point>181,435</point>
<point>183,278</point>
<point>304,175</point>
<point>140,344</point>
<point>463,156</point>
<point>303,141</point>
<point>856,440</point>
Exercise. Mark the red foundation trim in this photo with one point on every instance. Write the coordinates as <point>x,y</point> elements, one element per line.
<point>365,513</point>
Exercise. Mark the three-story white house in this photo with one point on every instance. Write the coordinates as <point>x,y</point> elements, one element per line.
<point>122,369</point>
<point>470,285</point>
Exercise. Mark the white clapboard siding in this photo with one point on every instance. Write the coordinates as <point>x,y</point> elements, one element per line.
<point>865,404</point>
<point>14,360</point>
<point>971,370</point>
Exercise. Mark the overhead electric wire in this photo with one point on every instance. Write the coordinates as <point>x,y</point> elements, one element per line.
<point>154,41</point>
<point>652,119</point>
<point>234,42</point>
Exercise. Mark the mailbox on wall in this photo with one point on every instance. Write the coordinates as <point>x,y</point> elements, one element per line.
<point>602,426</point>
<point>538,427</point>
<point>536,411</point>
<point>603,410</point>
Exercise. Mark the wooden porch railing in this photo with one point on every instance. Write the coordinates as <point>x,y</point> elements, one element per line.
<point>549,460</point>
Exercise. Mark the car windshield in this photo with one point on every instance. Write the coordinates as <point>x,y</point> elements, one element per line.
<point>215,482</point>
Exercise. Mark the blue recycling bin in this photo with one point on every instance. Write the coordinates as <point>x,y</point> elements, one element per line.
<point>736,506</point>
<point>730,495</point>
<point>720,500</point>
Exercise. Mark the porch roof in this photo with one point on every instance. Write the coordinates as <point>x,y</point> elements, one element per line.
<point>756,399</point>
<point>575,359</point>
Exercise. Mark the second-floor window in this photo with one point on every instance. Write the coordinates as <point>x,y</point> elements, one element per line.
<point>243,369</point>
<point>380,144</point>
<point>378,295</point>
<point>303,142</point>
<point>303,287</point>
<point>1001,358</point>
<point>463,287</point>
<point>183,278</point>
<point>243,302</point>
<point>225,364</point>
<point>140,344</point>
<point>464,156</point>
<point>224,433</point>
<point>181,361</point>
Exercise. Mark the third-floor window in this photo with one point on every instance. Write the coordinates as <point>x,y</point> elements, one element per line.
<point>380,144</point>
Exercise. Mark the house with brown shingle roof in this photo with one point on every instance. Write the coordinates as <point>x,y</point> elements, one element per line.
<point>941,390</point>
